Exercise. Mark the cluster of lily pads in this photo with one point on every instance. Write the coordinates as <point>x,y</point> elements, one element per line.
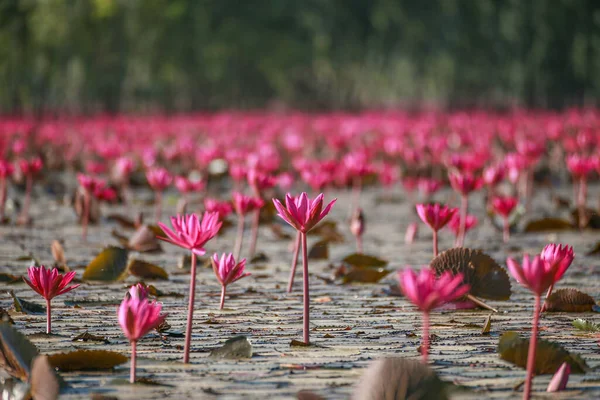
<point>244,163</point>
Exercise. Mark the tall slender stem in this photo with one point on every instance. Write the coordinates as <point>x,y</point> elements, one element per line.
<point>435,243</point>
<point>464,208</point>
<point>356,189</point>
<point>27,200</point>
<point>359,244</point>
<point>86,215</point>
<point>506,230</point>
<point>306,293</point>
<point>2,198</point>
<point>190,316</point>
<point>133,361</point>
<point>294,262</point>
<point>223,289</point>
<point>581,202</point>
<point>237,250</point>
<point>48,317</point>
<point>425,345</point>
<point>532,348</point>
<point>547,297</point>
<point>254,237</point>
<point>157,205</point>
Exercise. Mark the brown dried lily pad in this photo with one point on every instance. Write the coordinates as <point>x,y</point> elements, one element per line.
<point>144,240</point>
<point>486,278</point>
<point>400,378</point>
<point>569,300</point>
<point>45,384</point>
<point>548,225</point>
<point>549,355</point>
<point>364,260</point>
<point>361,274</point>
<point>108,266</point>
<point>16,352</point>
<point>86,360</point>
<point>319,251</point>
<point>146,270</point>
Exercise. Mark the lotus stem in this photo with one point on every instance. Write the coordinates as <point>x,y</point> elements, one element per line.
<point>237,250</point>
<point>223,289</point>
<point>356,191</point>
<point>133,361</point>
<point>546,299</point>
<point>464,207</point>
<point>48,317</point>
<point>506,230</point>
<point>27,200</point>
<point>294,262</point>
<point>254,237</point>
<point>532,348</point>
<point>581,202</point>
<point>157,205</point>
<point>481,303</point>
<point>86,215</point>
<point>359,244</point>
<point>435,243</point>
<point>190,316</point>
<point>2,199</point>
<point>306,290</point>
<point>425,344</point>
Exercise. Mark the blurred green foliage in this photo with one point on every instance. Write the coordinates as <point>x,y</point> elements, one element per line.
<point>147,55</point>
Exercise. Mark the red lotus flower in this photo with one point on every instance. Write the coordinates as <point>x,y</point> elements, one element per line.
<point>245,204</point>
<point>302,213</point>
<point>30,167</point>
<point>259,180</point>
<point>559,258</point>
<point>465,183</point>
<point>580,167</point>
<point>191,233</point>
<point>185,185</point>
<point>49,283</point>
<point>137,317</point>
<point>436,216</point>
<point>223,208</point>
<point>504,206</point>
<point>428,292</point>
<point>227,271</point>
<point>493,175</point>
<point>159,178</point>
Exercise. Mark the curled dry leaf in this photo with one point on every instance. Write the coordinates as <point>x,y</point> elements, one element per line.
<point>486,278</point>
<point>548,225</point>
<point>144,240</point>
<point>86,360</point>
<point>59,255</point>
<point>569,300</point>
<point>45,384</point>
<point>319,250</point>
<point>26,307</point>
<point>549,355</point>
<point>487,325</point>
<point>146,270</point>
<point>108,266</point>
<point>400,378</point>
<point>16,352</point>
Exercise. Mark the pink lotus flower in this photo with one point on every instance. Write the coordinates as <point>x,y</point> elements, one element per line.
<point>223,208</point>
<point>538,276</point>
<point>429,186</point>
<point>493,175</point>
<point>303,214</point>
<point>49,283</point>
<point>560,379</point>
<point>122,170</point>
<point>454,224</point>
<point>243,205</point>
<point>158,179</point>
<point>30,167</point>
<point>559,258</point>
<point>428,292</point>
<point>436,216</point>
<point>137,317</point>
<point>191,233</point>
<point>580,168</point>
<point>260,181</point>
<point>464,183</point>
<point>185,185</point>
<point>504,206</point>
<point>227,271</point>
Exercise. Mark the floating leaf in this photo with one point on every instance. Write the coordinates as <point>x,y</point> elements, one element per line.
<point>569,300</point>
<point>16,352</point>
<point>26,307</point>
<point>592,219</point>
<point>319,251</point>
<point>58,253</point>
<point>584,325</point>
<point>258,258</point>
<point>86,360</point>
<point>364,275</point>
<point>549,355</point>
<point>146,270</point>
<point>548,225</point>
<point>88,337</point>
<point>144,240</point>
<point>108,266</point>
<point>364,260</point>
<point>595,250</point>
<point>234,348</point>
<point>45,385</point>
<point>486,278</point>
<point>9,278</point>
<point>400,378</point>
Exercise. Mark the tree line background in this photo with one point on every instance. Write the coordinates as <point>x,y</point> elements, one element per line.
<point>85,56</point>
